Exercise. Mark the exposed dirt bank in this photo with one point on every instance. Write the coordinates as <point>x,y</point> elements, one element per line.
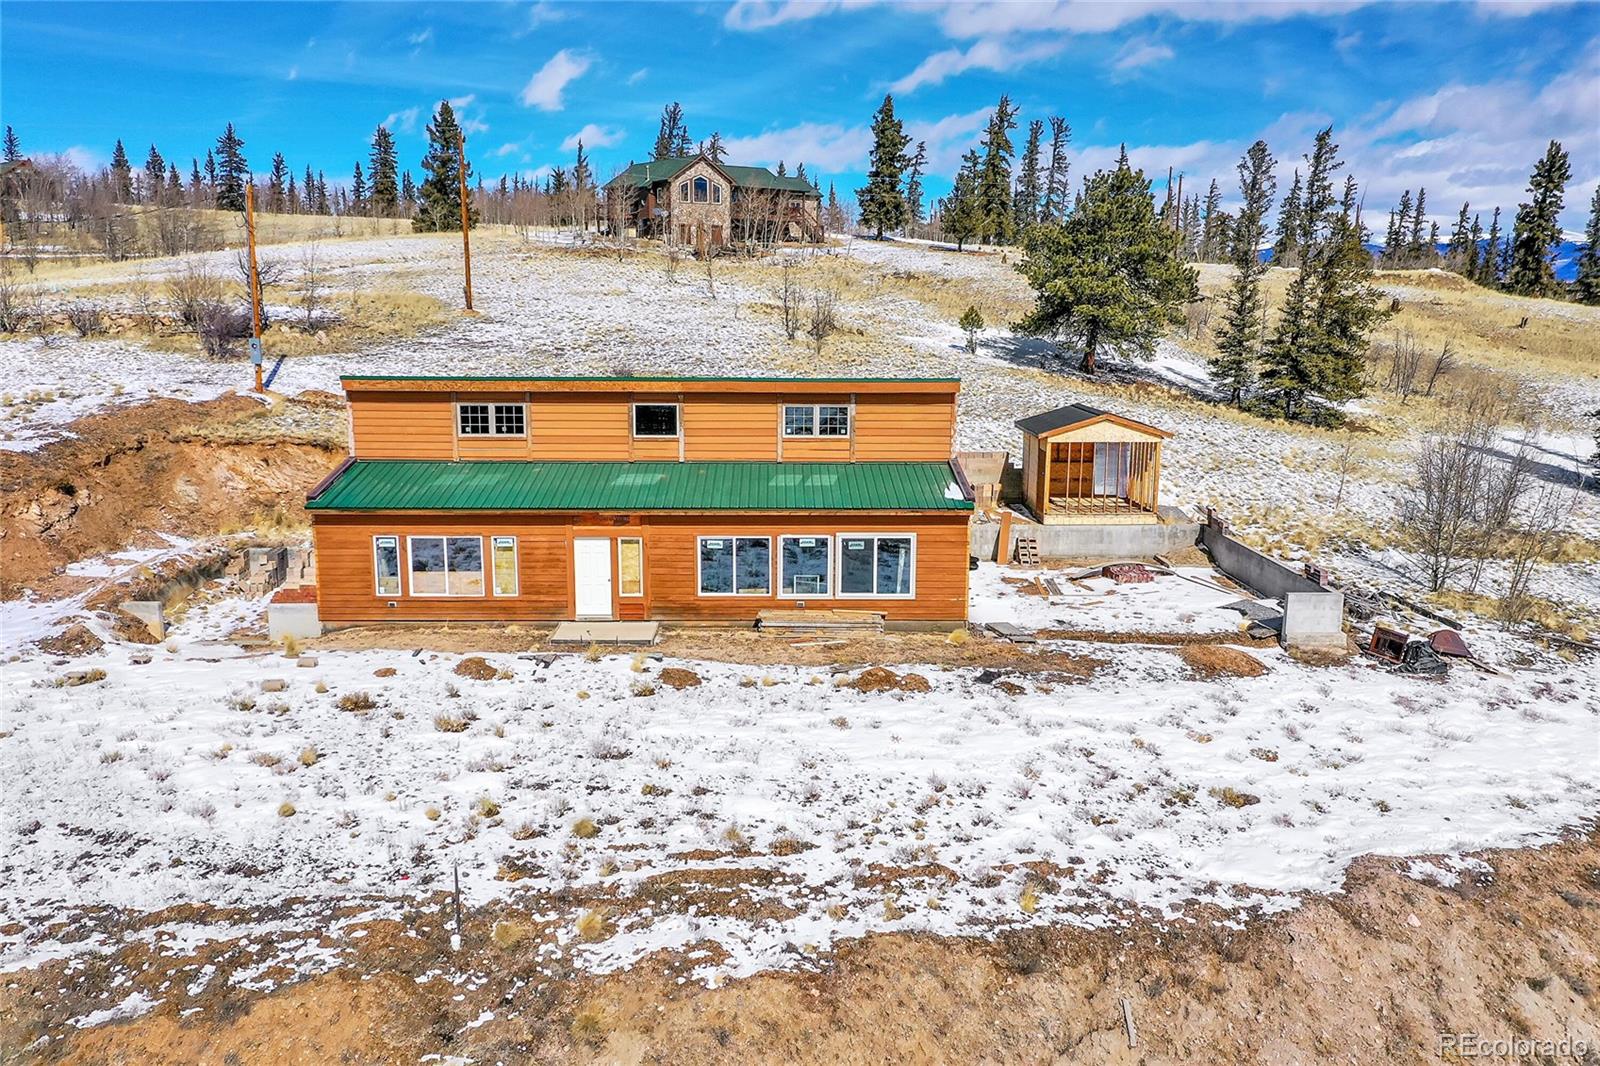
<point>166,466</point>
<point>1376,974</point>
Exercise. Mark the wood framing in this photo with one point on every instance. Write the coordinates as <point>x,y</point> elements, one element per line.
<point>1084,465</point>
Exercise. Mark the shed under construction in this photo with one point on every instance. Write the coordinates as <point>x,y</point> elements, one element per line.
<point>1084,465</point>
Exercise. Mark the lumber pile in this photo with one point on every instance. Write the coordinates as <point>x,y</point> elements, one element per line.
<point>828,621</point>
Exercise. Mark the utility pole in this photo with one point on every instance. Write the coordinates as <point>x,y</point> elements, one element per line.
<point>255,281</point>
<point>466,216</point>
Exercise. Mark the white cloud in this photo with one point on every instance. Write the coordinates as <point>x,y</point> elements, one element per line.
<point>987,54</point>
<point>968,19</point>
<point>639,75</point>
<point>421,37</point>
<point>404,121</point>
<point>459,102</point>
<point>293,74</point>
<point>84,158</point>
<point>509,148</point>
<point>544,12</point>
<point>593,136</point>
<point>820,146</point>
<point>750,15</point>
<point>1139,53</point>
<point>544,89</point>
<point>470,126</point>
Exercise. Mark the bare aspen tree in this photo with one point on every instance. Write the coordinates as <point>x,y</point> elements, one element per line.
<point>1537,534</point>
<point>824,318</point>
<point>790,298</point>
<point>1441,366</point>
<point>1437,511</point>
<point>1344,462</point>
<point>311,285</point>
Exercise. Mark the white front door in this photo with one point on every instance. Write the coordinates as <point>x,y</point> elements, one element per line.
<point>591,569</point>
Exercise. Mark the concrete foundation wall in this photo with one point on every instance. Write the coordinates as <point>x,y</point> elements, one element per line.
<point>1088,541</point>
<point>1255,571</point>
<point>1313,619</point>
<point>298,620</point>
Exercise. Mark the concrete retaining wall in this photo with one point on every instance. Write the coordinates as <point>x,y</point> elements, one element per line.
<point>1087,542</point>
<point>1255,571</point>
<point>1313,620</point>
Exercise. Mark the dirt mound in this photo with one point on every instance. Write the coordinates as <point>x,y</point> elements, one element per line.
<point>76,639</point>
<point>477,668</point>
<point>1219,660</point>
<point>125,474</point>
<point>679,678</point>
<point>879,679</point>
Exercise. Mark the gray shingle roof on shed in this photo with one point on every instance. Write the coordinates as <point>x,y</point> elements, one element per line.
<point>1060,418</point>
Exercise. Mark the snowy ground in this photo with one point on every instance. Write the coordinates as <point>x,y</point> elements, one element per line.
<point>1143,787</point>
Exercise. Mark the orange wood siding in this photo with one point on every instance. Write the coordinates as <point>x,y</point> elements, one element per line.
<point>347,594</point>
<point>598,425</point>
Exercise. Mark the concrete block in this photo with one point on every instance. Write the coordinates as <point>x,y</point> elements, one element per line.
<point>274,684</point>
<point>149,612</point>
<point>1085,541</point>
<point>306,662</point>
<point>298,620</point>
<point>1313,619</point>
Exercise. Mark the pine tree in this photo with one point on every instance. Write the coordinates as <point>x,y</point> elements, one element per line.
<point>834,214</point>
<point>714,149</point>
<point>1538,226</point>
<point>1286,242</point>
<point>994,176</point>
<point>1239,339</point>
<point>1489,265</point>
<point>673,134</point>
<point>121,174</point>
<point>1417,250</point>
<point>1586,289</point>
<point>882,201</point>
<point>1472,266</point>
<point>408,190</point>
<point>174,191</point>
<point>294,195</point>
<point>383,167</point>
<point>1110,276</point>
<point>324,205</point>
<point>971,323</point>
<point>1316,205</point>
<point>919,164</point>
<point>800,172</point>
<point>440,195</point>
<point>1457,256</point>
<point>232,171</point>
<point>197,183</point>
<point>1211,246</point>
<point>781,171</point>
<point>277,183</point>
<point>1054,208</point>
<point>358,191</point>
<point>582,177</point>
<point>13,151</point>
<point>155,173</point>
<point>1396,240</point>
<point>211,173</point>
<point>1028,193</point>
<point>960,215</point>
<point>310,187</point>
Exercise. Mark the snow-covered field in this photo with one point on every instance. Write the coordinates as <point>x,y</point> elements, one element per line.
<point>1142,787</point>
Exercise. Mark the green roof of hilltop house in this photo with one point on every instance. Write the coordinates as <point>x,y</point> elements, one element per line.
<point>643,175</point>
<point>515,485</point>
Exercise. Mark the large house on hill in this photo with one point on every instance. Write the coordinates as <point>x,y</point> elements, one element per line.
<point>696,201</point>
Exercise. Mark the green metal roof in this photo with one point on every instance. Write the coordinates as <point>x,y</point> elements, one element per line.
<point>642,175</point>
<point>514,485</point>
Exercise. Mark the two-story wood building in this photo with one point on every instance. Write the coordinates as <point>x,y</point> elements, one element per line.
<point>525,499</point>
<point>699,202</point>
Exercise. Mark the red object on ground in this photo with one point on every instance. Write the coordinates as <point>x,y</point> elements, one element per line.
<point>1449,642</point>
<point>1127,573</point>
<point>299,594</point>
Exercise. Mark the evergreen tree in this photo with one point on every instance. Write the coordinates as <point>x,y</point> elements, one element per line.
<point>800,172</point>
<point>1472,267</point>
<point>782,173</point>
<point>155,174</point>
<point>1317,199</point>
<point>672,135</point>
<point>440,194</point>
<point>1458,255</point>
<point>1396,240</point>
<point>310,191</point>
<point>277,183</point>
<point>174,191</point>
<point>1417,251</point>
<point>1109,277</point>
<point>971,323</point>
<point>13,151</point>
<point>994,176</point>
<point>358,191</point>
<point>232,171</point>
<point>1538,226</point>
<point>121,174</point>
<point>882,201</point>
<point>1054,208</point>
<point>1489,265</point>
<point>197,183</point>
<point>714,149</point>
<point>1286,242</point>
<point>582,176</point>
<point>383,171</point>
<point>324,205</point>
<point>1211,245</point>
<point>294,196</point>
<point>1587,286</point>
<point>1239,339</point>
<point>408,190</point>
<point>211,173</point>
<point>1028,193</point>
<point>960,216</point>
<point>919,164</point>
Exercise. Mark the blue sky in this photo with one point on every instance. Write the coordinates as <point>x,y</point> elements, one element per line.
<point>1460,97</point>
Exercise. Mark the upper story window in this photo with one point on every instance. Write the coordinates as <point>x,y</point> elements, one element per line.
<point>492,419</point>
<point>716,194</point>
<point>655,420</point>
<point>702,190</point>
<point>683,189</point>
<point>816,420</point>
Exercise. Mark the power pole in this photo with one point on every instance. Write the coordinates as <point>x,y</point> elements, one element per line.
<point>255,282</point>
<point>466,217</point>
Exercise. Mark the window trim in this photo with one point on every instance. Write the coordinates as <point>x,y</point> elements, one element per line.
<point>640,593</point>
<point>677,420</point>
<point>516,568</point>
<point>839,539</point>
<point>734,594</point>
<point>399,571</point>
<point>828,594</point>
<point>493,406</point>
<point>488,575</point>
<point>816,422</point>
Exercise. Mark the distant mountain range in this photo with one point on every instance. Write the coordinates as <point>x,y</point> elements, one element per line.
<point>1566,258</point>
